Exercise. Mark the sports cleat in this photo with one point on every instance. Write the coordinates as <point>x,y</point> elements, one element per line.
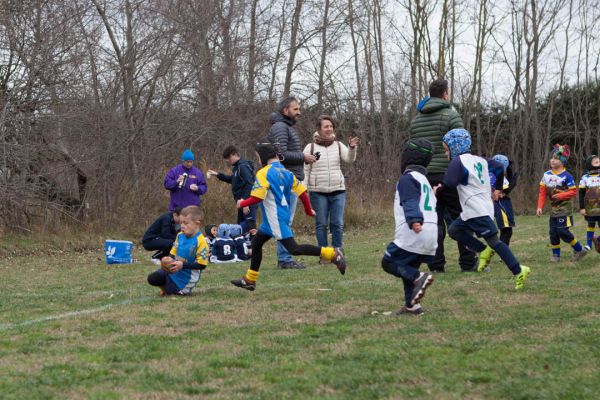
<point>555,259</point>
<point>596,241</point>
<point>339,260</point>
<point>484,258</point>
<point>578,255</point>
<point>421,284</point>
<point>587,248</point>
<point>289,265</point>
<point>414,310</point>
<point>521,277</point>
<point>244,284</point>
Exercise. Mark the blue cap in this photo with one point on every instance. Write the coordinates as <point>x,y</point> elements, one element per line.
<point>458,141</point>
<point>187,155</point>
<point>502,159</point>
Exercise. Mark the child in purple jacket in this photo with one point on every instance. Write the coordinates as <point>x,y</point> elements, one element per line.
<point>185,182</point>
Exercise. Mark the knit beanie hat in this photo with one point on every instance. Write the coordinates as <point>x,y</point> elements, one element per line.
<point>187,155</point>
<point>502,159</point>
<point>416,152</point>
<point>561,152</point>
<point>265,151</point>
<point>458,141</point>
<point>588,164</point>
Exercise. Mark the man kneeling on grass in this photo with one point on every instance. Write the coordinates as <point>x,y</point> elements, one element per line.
<point>179,275</point>
<point>272,189</point>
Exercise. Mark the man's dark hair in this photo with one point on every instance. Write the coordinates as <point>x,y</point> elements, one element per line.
<point>229,151</point>
<point>177,210</point>
<point>438,87</point>
<point>285,103</point>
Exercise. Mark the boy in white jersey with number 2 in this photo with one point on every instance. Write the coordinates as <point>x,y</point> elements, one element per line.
<point>470,175</point>
<point>415,239</point>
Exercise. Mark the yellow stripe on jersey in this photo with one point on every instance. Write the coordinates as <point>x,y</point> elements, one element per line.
<point>202,251</point>
<point>504,218</point>
<point>261,184</point>
<point>173,251</point>
<point>569,224</point>
<point>298,188</point>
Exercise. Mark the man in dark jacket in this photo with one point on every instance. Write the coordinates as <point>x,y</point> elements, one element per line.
<point>241,181</point>
<point>161,234</point>
<point>283,134</point>
<point>434,119</point>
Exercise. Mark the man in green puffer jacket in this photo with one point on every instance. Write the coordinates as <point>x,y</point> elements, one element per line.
<point>434,119</point>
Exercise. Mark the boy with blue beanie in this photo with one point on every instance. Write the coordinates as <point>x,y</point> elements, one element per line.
<point>503,208</point>
<point>469,174</point>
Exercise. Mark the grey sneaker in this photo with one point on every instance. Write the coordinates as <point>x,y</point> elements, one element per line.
<point>555,259</point>
<point>289,265</point>
<point>421,284</point>
<point>578,255</point>
<point>414,310</point>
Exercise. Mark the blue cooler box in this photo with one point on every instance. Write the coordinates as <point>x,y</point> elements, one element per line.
<point>119,252</point>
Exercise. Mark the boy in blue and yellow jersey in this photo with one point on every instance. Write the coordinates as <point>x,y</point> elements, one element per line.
<point>559,186</point>
<point>272,189</point>
<point>415,237</point>
<point>589,198</point>
<point>180,274</point>
<point>469,174</point>
<point>503,208</point>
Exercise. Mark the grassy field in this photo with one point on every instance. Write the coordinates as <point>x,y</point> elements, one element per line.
<point>72,327</point>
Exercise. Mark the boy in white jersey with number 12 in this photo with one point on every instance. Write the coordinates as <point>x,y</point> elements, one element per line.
<point>470,175</point>
<point>415,238</point>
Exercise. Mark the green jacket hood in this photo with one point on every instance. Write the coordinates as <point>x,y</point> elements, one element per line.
<point>432,105</point>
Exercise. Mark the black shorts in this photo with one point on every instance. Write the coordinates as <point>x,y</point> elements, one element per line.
<point>504,214</point>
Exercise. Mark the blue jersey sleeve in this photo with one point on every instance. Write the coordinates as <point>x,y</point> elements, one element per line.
<point>456,174</point>
<point>409,190</point>
<point>497,170</point>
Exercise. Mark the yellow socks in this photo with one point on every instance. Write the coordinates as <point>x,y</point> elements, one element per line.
<point>251,276</point>
<point>327,253</point>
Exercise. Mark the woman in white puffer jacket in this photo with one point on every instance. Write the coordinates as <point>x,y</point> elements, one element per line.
<point>325,180</point>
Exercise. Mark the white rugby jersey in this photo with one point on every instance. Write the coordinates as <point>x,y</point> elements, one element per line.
<point>424,242</point>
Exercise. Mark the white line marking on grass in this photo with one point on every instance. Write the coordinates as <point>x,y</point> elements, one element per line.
<point>4,327</point>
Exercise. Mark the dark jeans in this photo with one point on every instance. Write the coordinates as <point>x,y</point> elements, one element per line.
<point>161,244</point>
<point>448,209</point>
<point>247,221</point>
<point>329,206</point>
